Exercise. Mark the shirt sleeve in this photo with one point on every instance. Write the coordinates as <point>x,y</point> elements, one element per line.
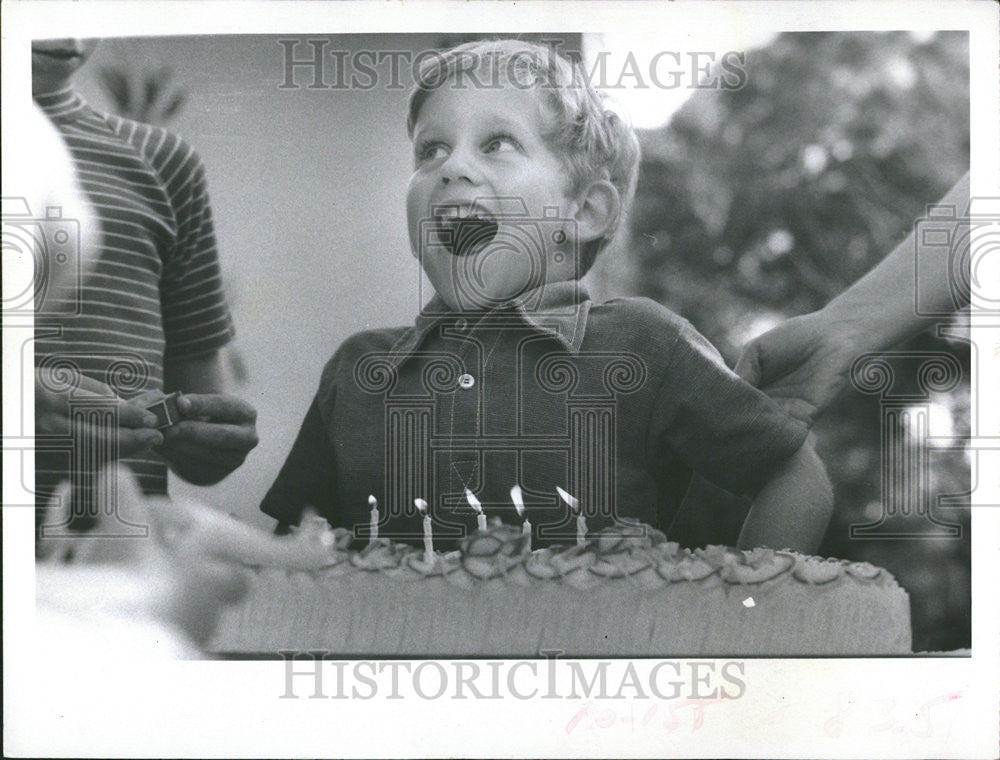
<point>306,479</point>
<point>721,427</point>
<point>196,319</point>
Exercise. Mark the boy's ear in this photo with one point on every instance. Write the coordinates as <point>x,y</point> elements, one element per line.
<point>599,205</point>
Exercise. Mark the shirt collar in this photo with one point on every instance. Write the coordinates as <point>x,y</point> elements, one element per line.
<point>60,104</point>
<point>558,309</point>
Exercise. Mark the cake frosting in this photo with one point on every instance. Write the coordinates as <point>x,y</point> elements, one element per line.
<point>625,591</point>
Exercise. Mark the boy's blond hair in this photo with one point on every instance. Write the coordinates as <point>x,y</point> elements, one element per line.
<point>595,142</point>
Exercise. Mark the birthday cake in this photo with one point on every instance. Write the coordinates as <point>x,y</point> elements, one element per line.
<point>624,591</point>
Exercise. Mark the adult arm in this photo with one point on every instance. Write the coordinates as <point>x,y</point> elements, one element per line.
<point>217,430</point>
<point>804,362</point>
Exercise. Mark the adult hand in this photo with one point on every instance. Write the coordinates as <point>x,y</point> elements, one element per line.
<point>802,363</point>
<point>136,431</point>
<point>213,438</point>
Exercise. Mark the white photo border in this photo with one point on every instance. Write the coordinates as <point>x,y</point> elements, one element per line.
<point>926,706</point>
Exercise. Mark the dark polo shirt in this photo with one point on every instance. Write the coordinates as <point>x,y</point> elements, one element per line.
<point>619,403</point>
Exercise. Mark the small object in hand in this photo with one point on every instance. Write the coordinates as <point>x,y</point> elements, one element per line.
<point>166,410</point>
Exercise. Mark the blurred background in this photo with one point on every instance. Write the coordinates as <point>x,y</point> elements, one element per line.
<point>762,195</point>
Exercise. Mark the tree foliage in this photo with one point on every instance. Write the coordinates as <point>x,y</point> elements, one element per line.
<point>762,203</point>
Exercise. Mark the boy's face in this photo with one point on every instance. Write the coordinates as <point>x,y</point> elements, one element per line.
<point>472,148</point>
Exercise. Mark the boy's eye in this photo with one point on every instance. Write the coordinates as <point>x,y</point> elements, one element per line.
<point>501,144</point>
<point>430,152</point>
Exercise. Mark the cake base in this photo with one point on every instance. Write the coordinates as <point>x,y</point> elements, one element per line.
<point>612,598</point>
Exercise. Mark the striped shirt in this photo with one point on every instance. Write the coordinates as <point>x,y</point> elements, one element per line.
<point>150,290</point>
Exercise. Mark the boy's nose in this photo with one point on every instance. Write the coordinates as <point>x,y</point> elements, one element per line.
<point>459,166</point>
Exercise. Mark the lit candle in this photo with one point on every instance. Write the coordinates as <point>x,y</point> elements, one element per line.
<point>581,522</point>
<point>373,503</point>
<point>474,503</point>
<point>518,499</point>
<point>428,536</point>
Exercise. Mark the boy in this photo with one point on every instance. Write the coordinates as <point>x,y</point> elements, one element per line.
<point>510,373</point>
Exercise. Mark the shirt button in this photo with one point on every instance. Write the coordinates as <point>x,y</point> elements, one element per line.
<point>466,381</point>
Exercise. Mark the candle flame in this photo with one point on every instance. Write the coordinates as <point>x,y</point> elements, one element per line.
<point>421,505</point>
<point>473,501</point>
<point>573,502</point>
<point>372,501</point>
<point>517,498</point>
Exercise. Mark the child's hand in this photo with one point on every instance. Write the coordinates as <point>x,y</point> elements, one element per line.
<point>213,438</point>
<point>136,430</point>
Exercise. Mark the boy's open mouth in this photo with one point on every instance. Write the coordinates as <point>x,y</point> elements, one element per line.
<point>466,231</point>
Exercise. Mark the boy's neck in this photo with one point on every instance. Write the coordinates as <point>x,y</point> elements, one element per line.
<point>554,294</point>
